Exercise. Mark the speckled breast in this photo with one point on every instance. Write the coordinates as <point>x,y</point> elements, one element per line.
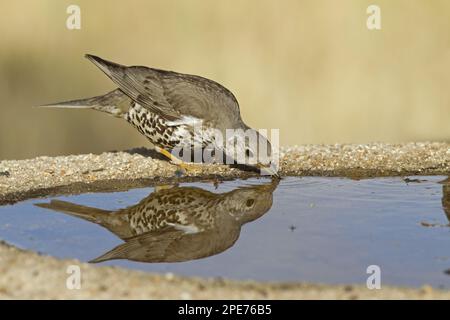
<point>163,135</point>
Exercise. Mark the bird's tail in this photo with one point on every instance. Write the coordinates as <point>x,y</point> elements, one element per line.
<point>114,102</point>
<point>91,214</point>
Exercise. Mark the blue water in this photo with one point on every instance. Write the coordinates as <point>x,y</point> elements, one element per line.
<point>326,230</point>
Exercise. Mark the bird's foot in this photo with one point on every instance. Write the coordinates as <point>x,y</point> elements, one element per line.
<point>183,167</point>
<point>216,183</point>
<point>165,187</point>
<point>188,168</point>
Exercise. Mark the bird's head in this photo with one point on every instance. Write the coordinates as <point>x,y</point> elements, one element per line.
<point>248,203</point>
<point>251,148</point>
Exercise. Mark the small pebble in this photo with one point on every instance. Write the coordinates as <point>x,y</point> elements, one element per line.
<point>4,174</point>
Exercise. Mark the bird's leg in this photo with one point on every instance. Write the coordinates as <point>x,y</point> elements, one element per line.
<point>165,187</point>
<point>167,154</point>
<point>183,165</point>
<point>216,183</point>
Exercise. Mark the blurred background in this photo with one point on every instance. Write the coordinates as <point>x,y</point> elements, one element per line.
<point>310,68</point>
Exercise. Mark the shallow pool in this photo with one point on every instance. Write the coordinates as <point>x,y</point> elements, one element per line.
<point>310,229</point>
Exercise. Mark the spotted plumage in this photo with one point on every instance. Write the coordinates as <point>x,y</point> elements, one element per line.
<point>178,223</point>
<point>153,127</point>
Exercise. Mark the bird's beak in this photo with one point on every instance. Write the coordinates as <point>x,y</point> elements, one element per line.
<point>267,170</point>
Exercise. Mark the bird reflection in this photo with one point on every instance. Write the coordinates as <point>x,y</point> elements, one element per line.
<point>177,223</point>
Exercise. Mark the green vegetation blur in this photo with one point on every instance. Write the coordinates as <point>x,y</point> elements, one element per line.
<point>310,68</point>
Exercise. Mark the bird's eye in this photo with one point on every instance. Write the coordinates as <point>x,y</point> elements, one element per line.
<point>250,202</point>
<point>248,153</point>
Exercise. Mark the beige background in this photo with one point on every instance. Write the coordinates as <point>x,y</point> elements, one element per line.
<point>310,68</point>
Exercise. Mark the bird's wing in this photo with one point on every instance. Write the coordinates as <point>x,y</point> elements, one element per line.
<point>170,246</point>
<point>174,96</point>
<point>147,247</point>
<point>140,85</point>
<point>200,98</point>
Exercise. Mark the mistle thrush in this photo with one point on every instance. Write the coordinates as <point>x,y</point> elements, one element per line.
<point>166,107</point>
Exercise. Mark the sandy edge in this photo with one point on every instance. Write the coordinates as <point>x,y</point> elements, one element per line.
<point>26,274</point>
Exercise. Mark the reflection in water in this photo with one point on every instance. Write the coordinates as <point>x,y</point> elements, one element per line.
<point>446,197</point>
<point>178,223</point>
<point>445,205</point>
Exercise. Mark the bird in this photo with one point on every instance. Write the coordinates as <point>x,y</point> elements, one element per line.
<point>168,107</point>
<point>175,224</point>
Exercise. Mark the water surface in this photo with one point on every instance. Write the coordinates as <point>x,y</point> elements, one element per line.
<point>312,229</point>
